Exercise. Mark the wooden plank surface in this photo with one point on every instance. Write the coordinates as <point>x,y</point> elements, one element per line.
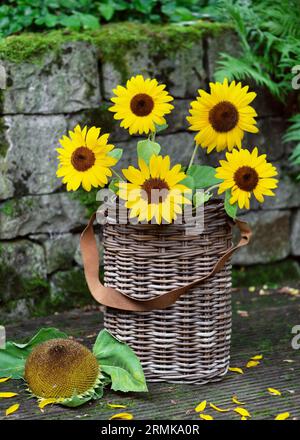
<point>266,330</point>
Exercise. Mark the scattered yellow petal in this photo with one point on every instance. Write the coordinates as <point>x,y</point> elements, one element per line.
<point>282,416</point>
<point>12,409</point>
<point>201,407</point>
<point>244,418</point>
<point>251,289</point>
<point>206,417</point>
<point>115,405</point>
<point>45,402</point>
<point>122,416</point>
<point>7,395</point>
<point>274,392</point>
<point>236,400</point>
<point>236,370</point>
<point>218,409</point>
<point>252,364</point>
<point>257,357</point>
<point>242,411</point>
<point>289,361</point>
<point>4,379</point>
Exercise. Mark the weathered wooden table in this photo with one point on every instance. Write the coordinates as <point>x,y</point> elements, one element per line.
<point>266,330</point>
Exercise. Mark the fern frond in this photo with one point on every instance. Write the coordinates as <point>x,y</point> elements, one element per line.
<point>240,69</point>
<point>293,132</point>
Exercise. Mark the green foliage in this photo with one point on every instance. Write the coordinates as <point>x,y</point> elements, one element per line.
<point>293,134</point>
<point>203,175</point>
<point>200,198</point>
<point>13,356</point>
<point>269,35</point>
<point>120,363</point>
<point>231,210</point>
<point>36,15</point>
<point>87,199</point>
<point>146,149</point>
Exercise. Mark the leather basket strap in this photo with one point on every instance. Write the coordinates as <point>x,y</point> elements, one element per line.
<point>111,297</point>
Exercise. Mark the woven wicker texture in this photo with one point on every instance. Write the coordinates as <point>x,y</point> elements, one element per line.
<point>189,341</point>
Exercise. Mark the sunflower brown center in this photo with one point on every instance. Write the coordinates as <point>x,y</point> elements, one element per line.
<point>141,104</point>
<point>223,116</point>
<point>83,158</point>
<point>246,178</point>
<point>155,190</point>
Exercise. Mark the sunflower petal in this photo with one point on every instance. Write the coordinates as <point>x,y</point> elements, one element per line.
<point>12,409</point>
<point>122,416</point>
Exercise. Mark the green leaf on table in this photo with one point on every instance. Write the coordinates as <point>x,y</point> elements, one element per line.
<point>119,361</point>
<point>231,210</point>
<point>146,149</point>
<point>203,175</point>
<point>116,153</point>
<point>200,197</point>
<point>13,356</point>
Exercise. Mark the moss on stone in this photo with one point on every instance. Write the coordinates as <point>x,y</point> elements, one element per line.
<point>3,142</point>
<point>69,289</point>
<point>112,40</point>
<point>266,274</point>
<point>8,208</point>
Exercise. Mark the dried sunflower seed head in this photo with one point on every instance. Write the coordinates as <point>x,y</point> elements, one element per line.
<point>61,368</point>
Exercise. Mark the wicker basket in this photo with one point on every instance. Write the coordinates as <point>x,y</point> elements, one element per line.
<point>189,340</point>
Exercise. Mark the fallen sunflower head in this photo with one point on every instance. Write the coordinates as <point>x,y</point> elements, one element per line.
<point>61,370</point>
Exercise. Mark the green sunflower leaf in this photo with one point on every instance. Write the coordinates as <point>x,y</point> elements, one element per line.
<point>13,356</point>
<point>159,128</point>
<point>119,361</point>
<point>231,210</point>
<point>200,198</point>
<point>189,182</point>
<point>116,153</point>
<point>203,175</point>
<point>76,400</point>
<point>146,149</point>
<point>113,184</point>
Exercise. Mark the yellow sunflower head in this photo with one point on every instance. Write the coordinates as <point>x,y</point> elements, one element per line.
<point>154,191</point>
<point>222,116</point>
<point>245,173</point>
<point>141,104</point>
<point>85,159</point>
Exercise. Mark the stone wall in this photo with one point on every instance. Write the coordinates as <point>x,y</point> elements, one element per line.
<point>57,80</point>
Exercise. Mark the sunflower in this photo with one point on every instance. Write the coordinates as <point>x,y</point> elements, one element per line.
<point>222,116</point>
<point>246,172</point>
<point>154,191</point>
<point>141,104</point>
<point>84,159</point>
<point>59,370</point>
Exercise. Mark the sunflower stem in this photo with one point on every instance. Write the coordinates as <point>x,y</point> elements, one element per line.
<point>193,156</point>
<point>117,175</point>
<point>152,136</point>
<point>212,187</point>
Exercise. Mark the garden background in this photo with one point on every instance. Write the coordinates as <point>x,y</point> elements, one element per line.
<point>59,62</point>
